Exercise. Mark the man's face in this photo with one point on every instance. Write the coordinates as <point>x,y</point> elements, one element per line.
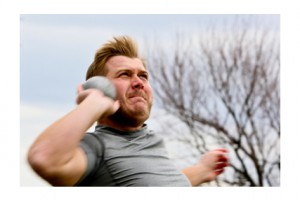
<point>133,89</point>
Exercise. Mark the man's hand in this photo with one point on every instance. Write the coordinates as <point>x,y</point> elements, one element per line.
<point>110,106</point>
<point>208,168</point>
<point>213,163</point>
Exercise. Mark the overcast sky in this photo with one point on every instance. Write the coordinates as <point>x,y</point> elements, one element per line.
<point>56,50</point>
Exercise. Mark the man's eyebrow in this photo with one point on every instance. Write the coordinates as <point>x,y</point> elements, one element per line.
<point>122,70</point>
<point>129,70</point>
<point>143,71</point>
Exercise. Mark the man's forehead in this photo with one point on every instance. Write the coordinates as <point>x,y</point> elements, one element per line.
<point>129,68</point>
<point>118,63</point>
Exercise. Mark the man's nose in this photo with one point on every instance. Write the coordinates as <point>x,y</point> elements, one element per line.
<point>137,83</point>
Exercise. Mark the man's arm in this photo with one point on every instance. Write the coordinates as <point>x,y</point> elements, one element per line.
<point>209,167</point>
<point>56,155</point>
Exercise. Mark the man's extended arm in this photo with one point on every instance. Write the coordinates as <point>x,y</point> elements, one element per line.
<point>208,168</point>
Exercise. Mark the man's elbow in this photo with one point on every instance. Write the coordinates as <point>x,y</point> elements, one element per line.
<point>40,162</point>
<point>52,168</point>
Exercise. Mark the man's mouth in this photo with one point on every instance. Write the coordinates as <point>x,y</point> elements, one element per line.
<point>138,97</point>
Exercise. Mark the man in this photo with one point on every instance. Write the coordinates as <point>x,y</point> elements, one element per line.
<point>121,151</point>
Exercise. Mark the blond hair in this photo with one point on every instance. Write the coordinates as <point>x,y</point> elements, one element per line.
<point>123,45</point>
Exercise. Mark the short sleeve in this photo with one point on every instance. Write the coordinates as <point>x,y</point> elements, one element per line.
<point>93,147</point>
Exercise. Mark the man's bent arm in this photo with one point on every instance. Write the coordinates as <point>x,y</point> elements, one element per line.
<point>56,155</point>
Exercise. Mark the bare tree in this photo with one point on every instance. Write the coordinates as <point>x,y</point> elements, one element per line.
<point>224,85</point>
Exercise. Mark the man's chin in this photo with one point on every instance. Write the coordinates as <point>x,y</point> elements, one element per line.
<point>140,112</point>
<point>130,117</point>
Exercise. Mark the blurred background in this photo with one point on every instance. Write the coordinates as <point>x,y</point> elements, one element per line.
<point>215,78</point>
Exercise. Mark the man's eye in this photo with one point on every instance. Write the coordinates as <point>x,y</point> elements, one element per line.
<point>124,74</point>
<point>144,76</point>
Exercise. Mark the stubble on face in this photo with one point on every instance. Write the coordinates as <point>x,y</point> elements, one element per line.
<point>133,90</point>
<point>135,106</point>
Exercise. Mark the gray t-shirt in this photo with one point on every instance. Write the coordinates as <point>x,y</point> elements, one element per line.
<point>134,158</point>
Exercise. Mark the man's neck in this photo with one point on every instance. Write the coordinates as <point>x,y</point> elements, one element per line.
<point>123,121</point>
<point>120,126</point>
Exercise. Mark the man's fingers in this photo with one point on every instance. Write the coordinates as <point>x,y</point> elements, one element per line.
<point>115,107</point>
<point>221,165</point>
<point>81,96</point>
<point>219,171</point>
<point>79,88</point>
<point>221,150</point>
<point>222,158</point>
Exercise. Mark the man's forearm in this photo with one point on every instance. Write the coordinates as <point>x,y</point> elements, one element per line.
<point>195,174</point>
<point>56,145</point>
